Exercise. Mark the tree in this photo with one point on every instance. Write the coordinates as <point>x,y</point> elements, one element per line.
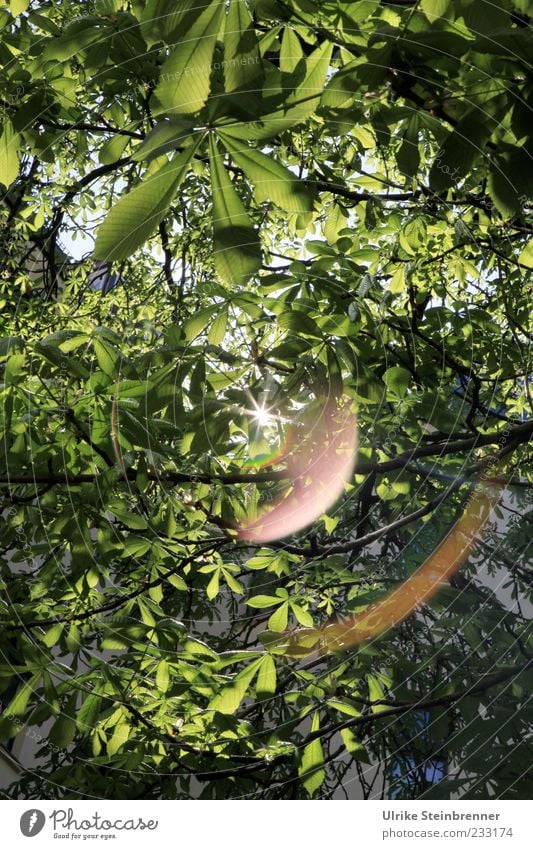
<point>302,204</point>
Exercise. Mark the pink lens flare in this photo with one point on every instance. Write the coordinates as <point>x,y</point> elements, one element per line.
<point>319,468</point>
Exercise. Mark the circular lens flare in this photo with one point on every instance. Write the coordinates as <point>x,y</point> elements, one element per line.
<point>320,465</point>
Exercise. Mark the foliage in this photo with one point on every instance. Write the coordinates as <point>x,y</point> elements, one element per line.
<point>299,200</point>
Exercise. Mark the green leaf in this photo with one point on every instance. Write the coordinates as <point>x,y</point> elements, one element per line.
<point>311,769</point>
<point>291,52</point>
<point>344,707</point>
<point>297,106</point>
<point>165,137</point>
<point>178,583</point>
<point>197,322</point>
<point>262,601</point>
<point>184,80</point>
<point>303,617</point>
<point>162,678</point>
<point>10,344</point>
<point>305,98</point>
<point>376,693</point>
<point>243,70</point>
<point>63,731</point>
<point>107,356</point>
<point>77,35</point>
<point>17,7</point>
<point>161,22</point>
<point>397,380</point>
<point>107,7</point>
<point>131,520</point>
<point>53,635</point>
<point>278,620</point>
<point>88,713</point>
<point>112,149</point>
<point>415,233</point>
<point>213,586</point>
<point>237,251</point>
<point>503,191</point>
<point>9,163</point>
<point>271,180</point>
<point>136,546</point>
<point>459,152</point>
<point>230,697</point>
<point>266,678</point>
<point>526,257</point>
<point>18,704</point>
<point>217,331</point>
<point>120,737</point>
<point>354,746</point>
<point>134,218</point>
<point>434,9</point>
<point>300,322</point>
<point>234,585</point>
<point>14,367</point>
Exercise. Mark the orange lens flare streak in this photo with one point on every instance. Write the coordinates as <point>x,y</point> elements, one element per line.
<point>443,562</point>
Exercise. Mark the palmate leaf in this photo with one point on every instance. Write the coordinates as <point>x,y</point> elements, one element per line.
<point>185,77</point>
<point>271,180</point>
<point>137,214</point>
<point>237,251</point>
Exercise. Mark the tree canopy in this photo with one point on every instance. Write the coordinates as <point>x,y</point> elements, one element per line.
<point>222,223</point>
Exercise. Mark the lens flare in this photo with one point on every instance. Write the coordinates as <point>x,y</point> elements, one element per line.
<point>319,467</point>
<point>439,567</point>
